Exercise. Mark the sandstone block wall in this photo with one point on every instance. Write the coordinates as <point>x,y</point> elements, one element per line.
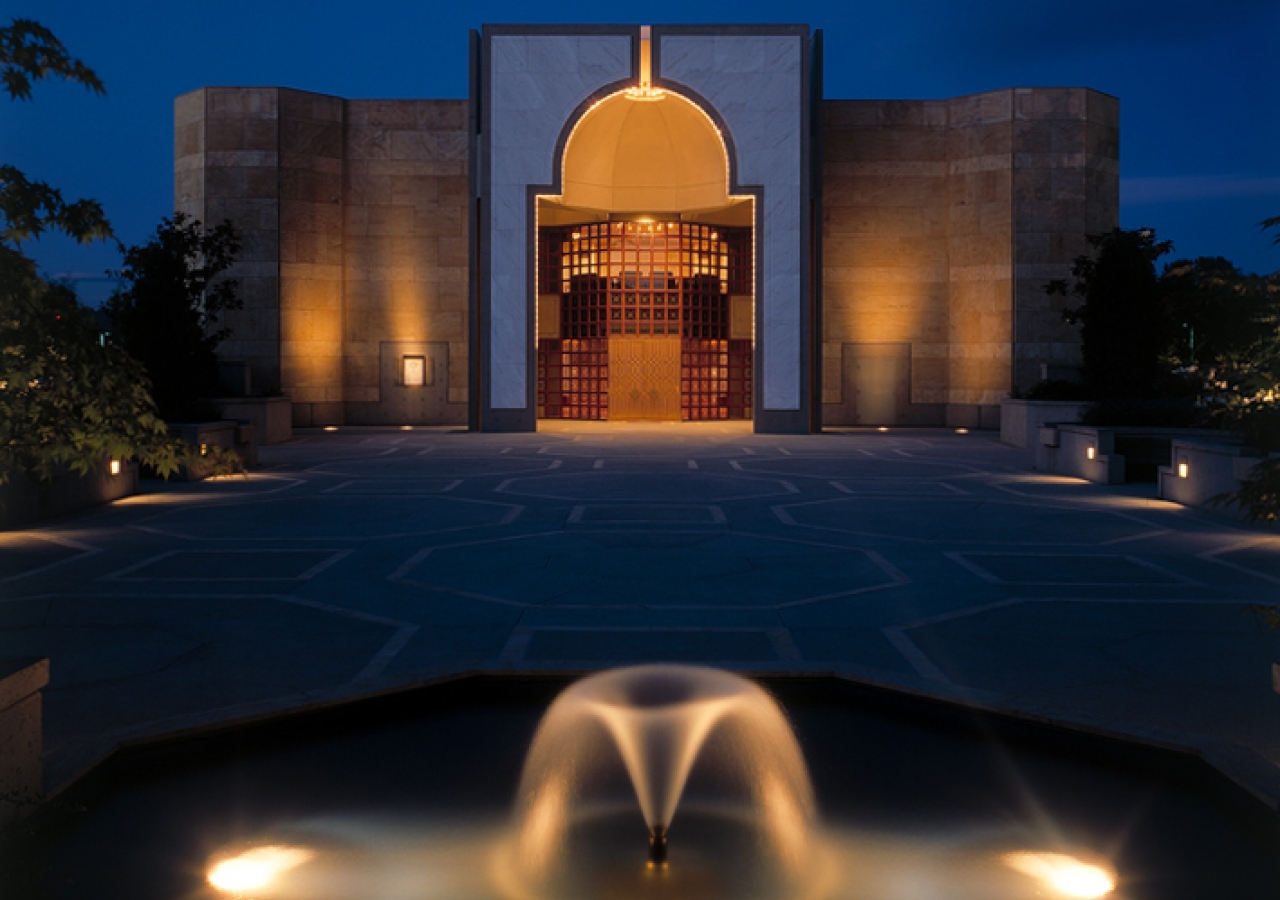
<point>1066,184</point>
<point>226,166</point>
<point>406,243</point>
<point>942,222</point>
<point>886,275</point>
<point>354,217</point>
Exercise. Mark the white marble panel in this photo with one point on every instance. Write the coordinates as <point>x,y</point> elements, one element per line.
<point>756,85</point>
<point>536,82</point>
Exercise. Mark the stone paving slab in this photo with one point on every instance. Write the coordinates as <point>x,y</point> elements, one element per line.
<point>366,560</point>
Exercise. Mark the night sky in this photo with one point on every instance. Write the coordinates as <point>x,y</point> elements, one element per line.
<point>1198,82</point>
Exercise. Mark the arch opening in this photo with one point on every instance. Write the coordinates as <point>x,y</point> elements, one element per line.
<point>645,268</point>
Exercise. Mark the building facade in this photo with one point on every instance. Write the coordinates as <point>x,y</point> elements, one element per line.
<point>650,223</point>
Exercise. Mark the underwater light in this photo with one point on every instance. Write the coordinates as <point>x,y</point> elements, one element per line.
<point>1067,876</point>
<point>256,868</point>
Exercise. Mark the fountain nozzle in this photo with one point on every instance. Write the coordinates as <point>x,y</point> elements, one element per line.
<point>658,845</point>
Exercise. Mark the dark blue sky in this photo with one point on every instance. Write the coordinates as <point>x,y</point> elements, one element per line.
<point>1198,83</point>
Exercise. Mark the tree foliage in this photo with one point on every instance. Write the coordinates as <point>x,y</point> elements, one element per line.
<point>1268,224</point>
<point>30,52</point>
<point>1122,326</point>
<point>1222,325</point>
<point>166,313</point>
<point>68,399</point>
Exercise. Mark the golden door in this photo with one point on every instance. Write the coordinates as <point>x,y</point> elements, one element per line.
<point>644,378</point>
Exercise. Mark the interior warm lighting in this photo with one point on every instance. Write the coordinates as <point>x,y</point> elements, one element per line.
<point>962,431</point>
<point>1064,875</point>
<point>204,449</point>
<point>883,428</point>
<point>115,467</point>
<point>645,89</point>
<point>331,428</point>
<point>256,868</point>
<point>1090,453</point>
<point>1182,470</point>
<point>406,428</point>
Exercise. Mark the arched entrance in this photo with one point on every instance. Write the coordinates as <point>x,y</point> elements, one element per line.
<point>645,269</point>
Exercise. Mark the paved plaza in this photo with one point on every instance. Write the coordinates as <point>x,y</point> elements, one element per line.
<point>362,560</point>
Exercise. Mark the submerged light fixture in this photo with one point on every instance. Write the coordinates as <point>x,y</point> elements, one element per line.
<point>256,868</point>
<point>1064,876</point>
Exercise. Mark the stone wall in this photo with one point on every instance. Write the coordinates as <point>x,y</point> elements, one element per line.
<point>885,245</point>
<point>311,255</point>
<point>1066,184</point>
<point>226,166</point>
<point>354,217</point>
<point>406,250</point>
<point>942,222</point>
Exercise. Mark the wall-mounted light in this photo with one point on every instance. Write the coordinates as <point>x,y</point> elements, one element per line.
<point>883,428</point>
<point>1089,453</point>
<point>115,467</point>
<point>962,431</point>
<point>331,428</point>
<point>204,449</point>
<point>413,371</point>
<point>1182,470</point>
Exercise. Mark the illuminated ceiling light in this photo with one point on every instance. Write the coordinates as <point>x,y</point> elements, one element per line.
<point>645,89</point>
<point>256,868</point>
<point>1065,875</point>
<point>646,93</point>
<point>115,467</point>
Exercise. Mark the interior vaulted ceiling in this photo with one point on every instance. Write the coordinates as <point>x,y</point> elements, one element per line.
<point>637,156</point>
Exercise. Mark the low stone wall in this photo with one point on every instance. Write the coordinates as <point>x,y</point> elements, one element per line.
<point>23,501</point>
<point>1200,470</point>
<point>1020,420</point>
<point>272,417</point>
<point>1091,451</point>
<point>233,435</point>
<point>1080,451</point>
<point>21,743</point>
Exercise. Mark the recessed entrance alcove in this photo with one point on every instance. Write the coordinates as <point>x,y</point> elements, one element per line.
<point>645,268</point>
<point>643,252</point>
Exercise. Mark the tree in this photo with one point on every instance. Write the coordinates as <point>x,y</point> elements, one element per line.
<point>67,399</point>
<point>1122,327</point>
<point>1268,224</point>
<point>29,52</point>
<point>1222,325</point>
<point>167,312</point>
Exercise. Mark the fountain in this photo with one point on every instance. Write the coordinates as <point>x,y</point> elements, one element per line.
<point>661,782</point>
<point>617,750</point>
